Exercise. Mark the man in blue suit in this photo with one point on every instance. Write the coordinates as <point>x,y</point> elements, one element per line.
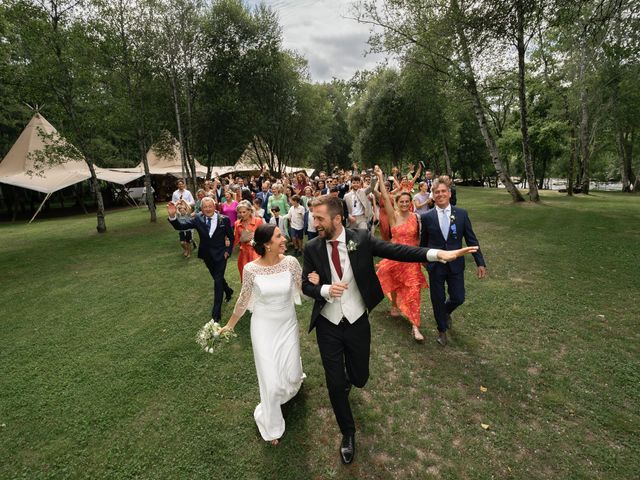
<point>264,195</point>
<point>216,245</point>
<point>444,227</point>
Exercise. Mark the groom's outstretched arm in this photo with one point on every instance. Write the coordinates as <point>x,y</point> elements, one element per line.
<point>402,253</point>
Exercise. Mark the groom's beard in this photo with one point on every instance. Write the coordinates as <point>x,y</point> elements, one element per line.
<point>326,233</point>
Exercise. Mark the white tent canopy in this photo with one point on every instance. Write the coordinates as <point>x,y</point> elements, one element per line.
<point>18,167</point>
<point>169,163</point>
<point>249,161</point>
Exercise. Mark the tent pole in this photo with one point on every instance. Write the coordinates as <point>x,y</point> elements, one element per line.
<point>40,207</point>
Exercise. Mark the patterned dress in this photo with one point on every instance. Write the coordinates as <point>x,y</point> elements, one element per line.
<point>405,279</point>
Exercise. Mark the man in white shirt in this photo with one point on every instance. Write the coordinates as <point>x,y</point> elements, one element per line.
<point>182,194</point>
<point>348,289</point>
<point>358,203</point>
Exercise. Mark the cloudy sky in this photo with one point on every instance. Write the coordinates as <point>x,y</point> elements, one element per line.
<point>334,45</point>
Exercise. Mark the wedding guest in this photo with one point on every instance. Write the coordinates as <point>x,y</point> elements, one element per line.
<point>216,245</point>
<point>444,227</point>
<point>278,199</point>
<point>182,194</point>
<point>243,234</point>
<point>264,194</point>
<point>186,236</point>
<point>295,216</point>
<point>421,199</point>
<point>229,207</point>
<point>358,204</point>
<point>258,211</point>
<point>200,194</point>
<point>311,228</point>
<point>402,282</point>
<point>277,219</point>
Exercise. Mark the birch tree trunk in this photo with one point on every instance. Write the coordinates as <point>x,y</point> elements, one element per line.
<point>524,127</point>
<point>472,88</point>
<point>447,160</point>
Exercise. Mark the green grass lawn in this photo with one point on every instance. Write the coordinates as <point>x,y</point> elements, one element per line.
<point>100,375</point>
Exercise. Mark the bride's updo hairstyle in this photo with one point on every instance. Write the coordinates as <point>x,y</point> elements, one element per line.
<point>262,236</point>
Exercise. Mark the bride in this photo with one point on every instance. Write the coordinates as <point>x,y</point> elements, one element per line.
<point>270,287</point>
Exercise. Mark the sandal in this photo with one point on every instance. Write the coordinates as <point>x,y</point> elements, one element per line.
<point>395,312</point>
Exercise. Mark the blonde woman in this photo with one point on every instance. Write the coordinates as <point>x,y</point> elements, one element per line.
<point>243,231</point>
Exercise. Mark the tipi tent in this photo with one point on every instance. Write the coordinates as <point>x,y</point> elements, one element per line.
<point>249,162</point>
<point>19,168</point>
<point>167,162</point>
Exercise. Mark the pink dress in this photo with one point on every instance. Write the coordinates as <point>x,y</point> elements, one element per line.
<point>405,279</point>
<point>230,211</point>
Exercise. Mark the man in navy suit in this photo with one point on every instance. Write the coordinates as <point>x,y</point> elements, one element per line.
<point>264,195</point>
<point>444,227</point>
<point>216,245</point>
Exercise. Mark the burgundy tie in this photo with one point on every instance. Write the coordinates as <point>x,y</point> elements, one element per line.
<point>335,257</point>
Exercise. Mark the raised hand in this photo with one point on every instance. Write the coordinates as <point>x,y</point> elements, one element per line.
<point>171,209</point>
<point>378,171</point>
<point>450,255</point>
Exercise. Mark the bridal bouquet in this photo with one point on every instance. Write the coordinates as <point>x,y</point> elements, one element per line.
<point>209,336</point>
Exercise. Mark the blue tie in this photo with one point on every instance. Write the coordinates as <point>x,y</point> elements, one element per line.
<point>208,222</point>
<point>444,224</point>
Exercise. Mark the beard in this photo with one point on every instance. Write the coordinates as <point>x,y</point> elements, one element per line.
<point>327,232</point>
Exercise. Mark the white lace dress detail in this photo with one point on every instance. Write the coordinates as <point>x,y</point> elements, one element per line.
<point>270,294</point>
<point>247,298</point>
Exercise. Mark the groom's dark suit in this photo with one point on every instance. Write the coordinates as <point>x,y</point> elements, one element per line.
<point>453,272</point>
<point>346,345</point>
<point>211,251</point>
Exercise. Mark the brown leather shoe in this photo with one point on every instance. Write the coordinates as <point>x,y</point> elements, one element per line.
<point>442,338</point>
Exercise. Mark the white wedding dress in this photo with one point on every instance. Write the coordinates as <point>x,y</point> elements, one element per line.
<point>270,294</point>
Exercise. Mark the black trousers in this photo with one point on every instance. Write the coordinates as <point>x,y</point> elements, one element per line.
<point>344,350</point>
<point>442,306</point>
<point>220,286</point>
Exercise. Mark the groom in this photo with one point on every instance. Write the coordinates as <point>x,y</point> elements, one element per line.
<point>347,291</point>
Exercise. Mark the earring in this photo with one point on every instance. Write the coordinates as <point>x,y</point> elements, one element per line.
<point>268,249</point>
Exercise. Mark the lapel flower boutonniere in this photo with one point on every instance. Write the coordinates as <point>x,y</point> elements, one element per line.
<point>452,217</point>
<point>352,246</point>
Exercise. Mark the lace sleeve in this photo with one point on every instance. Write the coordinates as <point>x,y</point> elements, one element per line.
<point>296,280</point>
<point>246,298</point>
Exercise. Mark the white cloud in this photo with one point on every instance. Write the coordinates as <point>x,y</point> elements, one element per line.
<point>319,30</point>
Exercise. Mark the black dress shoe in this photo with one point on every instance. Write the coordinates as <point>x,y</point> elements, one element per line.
<point>448,321</point>
<point>442,338</point>
<point>347,449</point>
<point>229,293</point>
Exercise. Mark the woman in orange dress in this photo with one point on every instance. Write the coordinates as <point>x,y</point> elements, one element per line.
<point>243,234</point>
<point>402,282</point>
<point>383,219</point>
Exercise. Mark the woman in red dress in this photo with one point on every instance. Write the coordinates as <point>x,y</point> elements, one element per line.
<point>383,219</point>
<point>402,282</point>
<point>243,234</point>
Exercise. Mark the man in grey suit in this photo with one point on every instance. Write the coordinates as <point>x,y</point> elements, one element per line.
<point>358,204</point>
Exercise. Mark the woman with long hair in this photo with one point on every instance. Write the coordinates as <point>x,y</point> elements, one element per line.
<point>402,282</point>
<point>243,231</point>
<point>270,287</point>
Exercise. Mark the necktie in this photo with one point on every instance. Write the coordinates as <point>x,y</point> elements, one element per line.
<point>444,224</point>
<point>335,257</point>
<point>208,222</point>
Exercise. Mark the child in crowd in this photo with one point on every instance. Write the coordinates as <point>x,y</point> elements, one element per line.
<point>296,221</point>
<point>186,237</point>
<point>311,229</point>
<point>277,220</point>
<point>258,211</point>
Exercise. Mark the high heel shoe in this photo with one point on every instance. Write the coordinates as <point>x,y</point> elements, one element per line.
<point>417,336</point>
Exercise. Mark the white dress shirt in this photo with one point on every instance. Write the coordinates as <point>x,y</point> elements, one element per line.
<point>444,219</point>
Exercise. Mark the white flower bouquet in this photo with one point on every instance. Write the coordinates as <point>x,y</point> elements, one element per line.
<point>209,336</point>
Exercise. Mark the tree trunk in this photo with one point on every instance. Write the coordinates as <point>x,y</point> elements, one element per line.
<point>101,226</point>
<point>524,127</point>
<point>472,88</point>
<point>543,173</point>
<point>176,106</point>
<point>571,173</point>
<point>585,175</point>
<point>447,160</point>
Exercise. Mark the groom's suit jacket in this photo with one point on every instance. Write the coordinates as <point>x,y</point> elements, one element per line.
<point>211,248</point>
<point>361,258</point>
<point>431,237</point>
